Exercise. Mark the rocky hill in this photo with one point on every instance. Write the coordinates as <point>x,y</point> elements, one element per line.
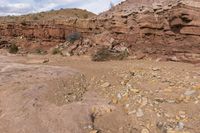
<point>155,29</point>
<point>53,15</point>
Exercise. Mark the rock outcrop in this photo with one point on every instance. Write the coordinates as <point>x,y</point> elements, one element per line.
<point>158,29</point>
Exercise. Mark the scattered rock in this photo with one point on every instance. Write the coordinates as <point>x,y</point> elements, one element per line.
<point>144,102</point>
<point>189,92</point>
<point>174,58</point>
<point>119,96</point>
<point>180,126</point>
<point>94,131</point>
<point>132,112</point>
<point>135,90</point>
<point>132,73</point>
<point>106,84</point>
<point>38,61</point>
<point>182,114</point>
<point>172,131</point>
<point>160,100</point>
<point>100,110</point>
<point>66,53</point>
<point>155,69</point>
<point>145,130</point>
<point>139,113</point>
<point>45,61</point>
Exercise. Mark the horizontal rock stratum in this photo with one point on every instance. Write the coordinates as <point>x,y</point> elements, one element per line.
<point>158,29</point>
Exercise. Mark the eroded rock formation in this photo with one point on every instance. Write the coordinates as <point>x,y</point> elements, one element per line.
<point>159,29</point>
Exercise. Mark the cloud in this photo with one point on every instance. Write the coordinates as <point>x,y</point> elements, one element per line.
<point>18,7</point>
<point>96,6</point>
<point>15,9</point>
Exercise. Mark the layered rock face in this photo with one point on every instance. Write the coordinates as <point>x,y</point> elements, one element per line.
<point>159,29</point>
<point>42,30</point>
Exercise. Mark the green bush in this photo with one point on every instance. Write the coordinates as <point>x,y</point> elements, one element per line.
<point>105,54</point>
<point>40,51</point>
<point>73,37</point>
<point>23,22</point>
<point>13,49</point>
<point>56,51</point>
<point>35,18</point>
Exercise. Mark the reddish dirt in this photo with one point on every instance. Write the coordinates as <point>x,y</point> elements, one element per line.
<point>74,94</point>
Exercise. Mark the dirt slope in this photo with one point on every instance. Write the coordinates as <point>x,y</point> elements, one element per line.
<point>37,98</point>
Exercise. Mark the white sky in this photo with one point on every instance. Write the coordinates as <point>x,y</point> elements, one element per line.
<point>18,7</point>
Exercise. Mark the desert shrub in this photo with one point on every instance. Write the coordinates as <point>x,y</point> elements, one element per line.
<point>56,51</point>
<point>73,37</point>
<point>23,23</point>
<point>40,51</point>
<point>105,54</point>
<point>3,43</point>
<point>13,49</point>
<point>35,18</point>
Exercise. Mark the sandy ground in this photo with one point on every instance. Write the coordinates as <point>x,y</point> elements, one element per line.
<point>54,94</point>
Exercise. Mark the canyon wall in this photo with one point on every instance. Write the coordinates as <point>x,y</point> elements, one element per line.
<point>161,29</point>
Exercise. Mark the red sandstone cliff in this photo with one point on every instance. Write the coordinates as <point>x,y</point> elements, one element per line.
<point>159,29</point>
